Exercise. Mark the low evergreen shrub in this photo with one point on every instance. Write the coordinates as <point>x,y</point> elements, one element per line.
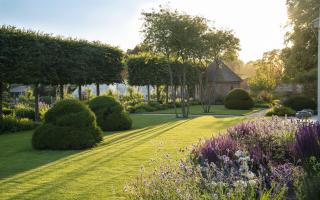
<point>281,111</point>
<point>110,114</point>
<point>238,99</point>
<point>26,112</point>
<point>68,125</point>
<point>7,111</point>
<point>10,124</point>
<point>299,103</point>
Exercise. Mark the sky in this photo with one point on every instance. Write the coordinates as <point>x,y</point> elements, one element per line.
<point>259,24</point>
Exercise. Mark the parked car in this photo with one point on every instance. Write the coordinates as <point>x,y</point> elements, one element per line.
<point>304,114</point>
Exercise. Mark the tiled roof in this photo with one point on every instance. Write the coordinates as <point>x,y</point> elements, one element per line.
<point>222,73</point>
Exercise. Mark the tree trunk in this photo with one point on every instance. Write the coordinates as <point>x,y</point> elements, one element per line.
<point>167,94</point>
<point>80,92</point>
<point>61,91</point>
<point>98,89</point>
<point>158,93</point>
<point>148,93</point>
<point>36,102</point>
<point>171,83</point>
<point>184,103</point>
<point>1,99</point>
<point>188,98</point>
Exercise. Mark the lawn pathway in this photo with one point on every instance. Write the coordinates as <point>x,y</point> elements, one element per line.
<point>101,172</point>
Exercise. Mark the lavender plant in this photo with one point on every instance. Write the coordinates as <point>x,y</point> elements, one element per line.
<point>308,140</point>
<point>184,180</point>
<point>267,139</point>
<point>253,160</point>
<point>214,149</point>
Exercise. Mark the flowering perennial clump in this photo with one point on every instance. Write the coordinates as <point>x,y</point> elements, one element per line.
<point>258,159</point>
<point>308,140</point>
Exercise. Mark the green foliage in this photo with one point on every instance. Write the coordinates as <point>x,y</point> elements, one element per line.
<point>26,98</point>
<point>110,115</point>
<point>11,124</point>
<point>300,58</point>
<point>281,111</point>
<point>238,99</point>
<point>132,97</point>
<point>43,58</point>
<point>148,107</point>
<point>26,112</point>
<point>310,184</point>
<point>141,108</point>
<point>118,121</point>
<point>144,69</point>
<point>113,93</point>
<point>299,103</point>
<point>189,41</point>
<point>7,111</point>
<point>68,125</point>
<point>269,72</point>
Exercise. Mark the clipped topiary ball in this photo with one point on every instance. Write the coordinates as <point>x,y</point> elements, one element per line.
<point>110,114</point>
<point>238,99</point>
<point>118,121</point>
<point>68,125</point>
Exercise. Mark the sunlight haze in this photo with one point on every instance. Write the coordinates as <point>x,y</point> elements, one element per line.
<point>259,24</point>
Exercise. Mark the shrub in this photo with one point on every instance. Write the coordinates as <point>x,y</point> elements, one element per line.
<point>110,114</point>
<point>132,97</point>
<point>310,185</point>
<point>238,99</point>
<point>298,103</point>
<point>7,111</point>
<point>147,107</point>
<point>68,125</point>
<point>26,112</point>
<point>142,107</point>
<point>262,104</point>
<point>11,124</point>
<point>265,96</point>
<point>281,111</point>
<point>118,121</point>
<point>155,104</point>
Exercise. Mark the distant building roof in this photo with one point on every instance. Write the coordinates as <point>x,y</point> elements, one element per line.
<point>18,88</point>
<point>222,73</point>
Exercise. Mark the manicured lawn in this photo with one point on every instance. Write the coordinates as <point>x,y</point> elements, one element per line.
<point>215,109</point>
<point>99,173</point>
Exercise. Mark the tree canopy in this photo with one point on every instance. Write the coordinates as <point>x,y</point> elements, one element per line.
<point>30,57</point>
<point>189,40</point>
<point>300,57</point>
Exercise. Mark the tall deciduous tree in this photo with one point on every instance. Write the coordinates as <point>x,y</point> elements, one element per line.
<point>174,35</point>
<point>300,57</point>
<point>269,72</point>
<point>215,46</point>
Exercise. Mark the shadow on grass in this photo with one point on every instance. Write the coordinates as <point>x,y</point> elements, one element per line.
<point>99,156</point>
<point>17,155</point>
